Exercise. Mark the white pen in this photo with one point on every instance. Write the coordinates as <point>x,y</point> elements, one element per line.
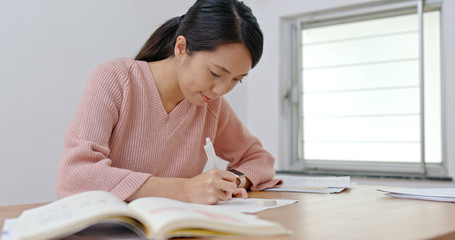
<point>210,152</point>
<point>211,155</point>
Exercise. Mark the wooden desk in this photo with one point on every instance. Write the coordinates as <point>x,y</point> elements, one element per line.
<point>357,213</point>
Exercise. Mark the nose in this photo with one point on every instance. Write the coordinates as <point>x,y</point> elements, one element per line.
<point>220,87</point>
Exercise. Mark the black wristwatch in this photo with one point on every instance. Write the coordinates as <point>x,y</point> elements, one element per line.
<point>240,176</point>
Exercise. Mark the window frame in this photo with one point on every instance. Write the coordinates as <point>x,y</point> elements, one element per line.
<point>291,90</point>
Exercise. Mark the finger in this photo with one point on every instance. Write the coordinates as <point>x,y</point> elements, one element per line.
<point>241,191</point>
<point>228,176</point>
<point>227,187</point>
<point>221,174</point>
<point>213,195</point>
<point>211,200</point>
<point>228,195</point>
<point>222,183</point>
<point>223,195</point>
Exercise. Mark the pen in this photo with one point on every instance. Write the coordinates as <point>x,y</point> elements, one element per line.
<point>210,152</point>
<point>211,155</point>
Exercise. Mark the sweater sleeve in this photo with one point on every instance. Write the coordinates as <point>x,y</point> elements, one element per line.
<point>243,151</point>
<point>85,163</point>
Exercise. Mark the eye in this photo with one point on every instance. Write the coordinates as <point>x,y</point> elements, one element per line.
<point>214,74</point>
<point>238,80</point>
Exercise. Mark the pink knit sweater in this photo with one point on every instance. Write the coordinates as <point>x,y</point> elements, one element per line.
<point>121,135</point>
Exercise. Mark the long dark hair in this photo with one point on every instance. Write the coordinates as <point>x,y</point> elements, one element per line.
<point>207,25</point>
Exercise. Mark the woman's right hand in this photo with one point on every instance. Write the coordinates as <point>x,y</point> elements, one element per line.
<point>207,188</point>
<point>212,186</point>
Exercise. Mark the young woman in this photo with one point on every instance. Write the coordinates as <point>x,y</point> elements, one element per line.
<point>141,125</point>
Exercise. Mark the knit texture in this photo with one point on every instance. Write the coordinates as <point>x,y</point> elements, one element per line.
<point>121,135</point>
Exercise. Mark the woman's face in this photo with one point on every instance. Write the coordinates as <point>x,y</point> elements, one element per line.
<point>206,75</point>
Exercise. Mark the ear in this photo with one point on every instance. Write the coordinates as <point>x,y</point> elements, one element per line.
<point>180,46</point>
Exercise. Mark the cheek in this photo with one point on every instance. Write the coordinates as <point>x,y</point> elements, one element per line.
<point>231,86</point>
<point>193,80</point>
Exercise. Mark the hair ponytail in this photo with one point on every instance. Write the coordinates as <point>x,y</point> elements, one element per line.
<point>207,25</point>
<point>158,46</point>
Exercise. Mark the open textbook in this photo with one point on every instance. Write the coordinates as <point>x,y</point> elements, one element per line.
<point>152,218</point>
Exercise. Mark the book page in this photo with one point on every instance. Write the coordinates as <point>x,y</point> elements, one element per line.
<point>167,215</point>
<point>70,214</point>
<point>102,231</point>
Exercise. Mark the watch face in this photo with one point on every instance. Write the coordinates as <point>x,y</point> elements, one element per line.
<point>237,172</point>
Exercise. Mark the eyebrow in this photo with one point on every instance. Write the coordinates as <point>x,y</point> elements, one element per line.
<point>225,70</point>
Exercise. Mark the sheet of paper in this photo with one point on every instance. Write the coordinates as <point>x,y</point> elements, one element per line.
<point>9,225</point>
<point>433,194</point>
<point>251,205</point>
<point>307,190</point>
<point>300,181</point>
<point>312,184</point>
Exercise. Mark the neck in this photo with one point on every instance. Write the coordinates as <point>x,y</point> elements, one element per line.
<point>166,81</point>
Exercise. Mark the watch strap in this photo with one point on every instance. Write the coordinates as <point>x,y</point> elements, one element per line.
<point>242,181</point>
<point>240,176</point>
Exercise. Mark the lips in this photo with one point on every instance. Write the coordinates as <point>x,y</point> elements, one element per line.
<point>205,98</point>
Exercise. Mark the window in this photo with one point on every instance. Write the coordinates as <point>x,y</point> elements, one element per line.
<point>364,90</point>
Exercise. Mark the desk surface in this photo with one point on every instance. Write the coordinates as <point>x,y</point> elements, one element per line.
<point>357,213</point>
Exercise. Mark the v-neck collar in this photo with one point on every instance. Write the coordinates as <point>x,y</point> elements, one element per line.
<point>165,122</point>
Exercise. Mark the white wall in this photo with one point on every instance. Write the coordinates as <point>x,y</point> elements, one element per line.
<point>48,48</point>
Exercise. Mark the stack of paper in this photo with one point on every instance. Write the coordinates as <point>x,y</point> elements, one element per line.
<point>312,184</point>
<point>433,194</point>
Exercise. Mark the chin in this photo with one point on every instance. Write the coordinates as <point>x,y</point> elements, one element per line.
<point>198,102</point>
